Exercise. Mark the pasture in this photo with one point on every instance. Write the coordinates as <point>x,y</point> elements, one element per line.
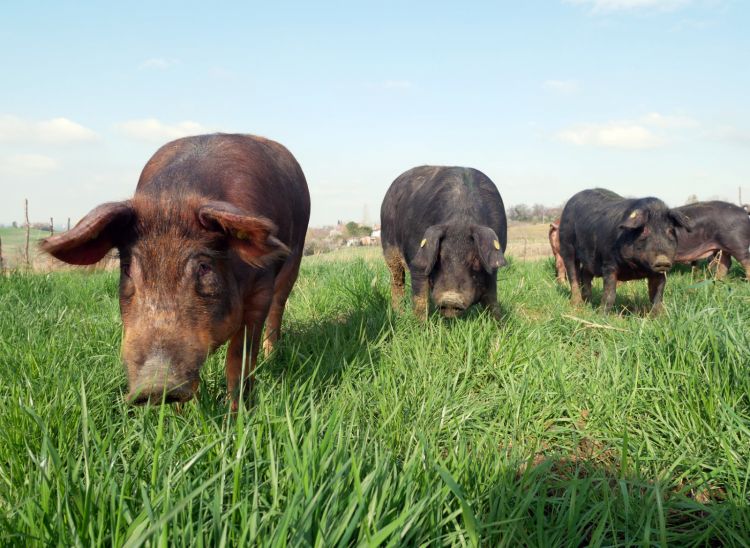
<point>558,426</point>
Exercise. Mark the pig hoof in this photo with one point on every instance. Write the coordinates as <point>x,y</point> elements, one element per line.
<point>656,311</point>
<point>495,311</point>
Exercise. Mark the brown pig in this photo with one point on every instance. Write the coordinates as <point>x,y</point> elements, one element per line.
<point>554,243</point>
<point>210,247</point>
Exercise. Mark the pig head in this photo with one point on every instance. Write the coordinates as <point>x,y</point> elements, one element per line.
<point>184,264</point>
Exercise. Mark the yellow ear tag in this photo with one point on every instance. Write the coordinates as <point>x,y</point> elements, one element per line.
<point>497,244</point>
<point>634,215</point>
<point>241,235</point>
<point>423,243</point>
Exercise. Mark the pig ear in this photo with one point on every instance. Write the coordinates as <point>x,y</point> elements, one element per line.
<point>488,247</point>
<point>429,248</point>
<point>635,219</point>
<point>680,219</point>
<point>94,235</point>
<point>252,238</point>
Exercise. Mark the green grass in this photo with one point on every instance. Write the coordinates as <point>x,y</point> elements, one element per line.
<point>14,242</point>
<point>557,427</point>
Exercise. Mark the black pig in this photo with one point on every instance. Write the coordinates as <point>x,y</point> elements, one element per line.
<point>619,239</point>
<point>447,226</point>
<point>720,229</point>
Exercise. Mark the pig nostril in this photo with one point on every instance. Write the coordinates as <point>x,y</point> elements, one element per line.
<point>141,399</point>
<point>451,311</point>
<point>155,397</point>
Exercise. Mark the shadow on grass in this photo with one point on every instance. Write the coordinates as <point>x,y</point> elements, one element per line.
<point>637,305</point>
<point>325,347</point>
<point>588,496</point>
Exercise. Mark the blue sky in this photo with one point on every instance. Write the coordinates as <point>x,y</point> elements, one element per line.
<point>547,97</point>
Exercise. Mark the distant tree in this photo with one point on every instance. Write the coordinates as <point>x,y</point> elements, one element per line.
<point>537,212</point>
<point>355,230</point>
<point>692,199</point>
<point>351,228</point>
<point>15,224</point>
<point>519,212</point>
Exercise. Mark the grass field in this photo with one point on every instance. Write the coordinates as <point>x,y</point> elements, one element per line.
<point>556,427</point>
<point>14,243</point>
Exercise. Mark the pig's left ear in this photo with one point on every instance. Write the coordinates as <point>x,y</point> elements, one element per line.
<point>680,219</point>
<point>252,238</point>
<point>635,219</point>
<point>488,247</point>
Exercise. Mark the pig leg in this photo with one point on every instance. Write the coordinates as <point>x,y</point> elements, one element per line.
<point>568,255</point>
<point>246,342</point>
<point>396,266</point>
<point>610,290</point>
<point>746,266</point>
<point>573,277</point>
<point>489,301</point>
<point>723,262</point>
<point>420,288</point>
<point>281,289</point>
<point>585,279</point>
<point>560,268</point>
<point>656,292</point>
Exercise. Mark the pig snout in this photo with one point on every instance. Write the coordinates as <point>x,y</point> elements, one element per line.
<point>662,263</point>
<point>157,381</point>
<point>451,304</point>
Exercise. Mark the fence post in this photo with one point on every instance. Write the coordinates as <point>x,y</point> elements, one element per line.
<point>28,229</point>
<point>51,227</point>
<point>68,223</point>
<point>1,257</point>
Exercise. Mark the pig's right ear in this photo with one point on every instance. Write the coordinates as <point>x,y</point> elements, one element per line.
<point>252,238</point>
<point>94,235</point>
<point>429,248</point>
<point>635,219</point>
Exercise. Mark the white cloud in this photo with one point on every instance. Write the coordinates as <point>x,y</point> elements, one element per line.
<point>602,6</point>
<point>53,131</point>
<point>649,131</point>
<point>151,129</point>
<point>157,63</point>
<point>28,164</point>
<point>566,87</point>
<point>612,135</point>
<point>655,119</point>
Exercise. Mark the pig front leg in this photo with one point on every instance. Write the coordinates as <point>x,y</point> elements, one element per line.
<point>246,343</point>
<point>656,286</point>
<point>489,301</point>
<point>395,263</point>
<point>420,291</point>
<point>610,290</point>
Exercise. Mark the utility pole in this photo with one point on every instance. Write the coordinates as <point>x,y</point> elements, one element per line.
<point>51,227</point>
<point>28,229</point>
<point>68,223</point>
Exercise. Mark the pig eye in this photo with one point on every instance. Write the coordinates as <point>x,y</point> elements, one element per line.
<point>125,269</point>
<point>203,269</point>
